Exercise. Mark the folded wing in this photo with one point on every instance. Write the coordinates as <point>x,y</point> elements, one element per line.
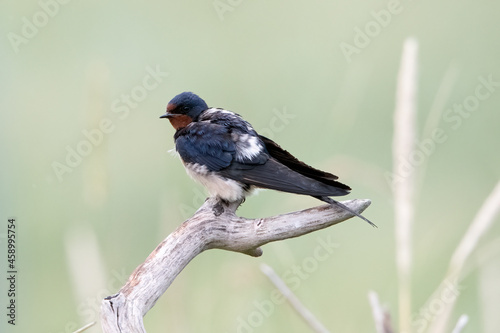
<point>276,176</point>
<point>292,162</point>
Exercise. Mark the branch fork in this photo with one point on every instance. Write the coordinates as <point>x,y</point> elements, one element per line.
<point>214,226</point>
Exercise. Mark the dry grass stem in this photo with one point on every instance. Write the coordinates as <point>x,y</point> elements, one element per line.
<point>381,317</point>
<point>436,112</point>
<point>489,294</point>
<point>403,145</point>
<point>307,315</point>
<point>480,225</point>
<point>442,97</point>
<point>85,262</point>
<point>89,325</point>
<point>462,321</point>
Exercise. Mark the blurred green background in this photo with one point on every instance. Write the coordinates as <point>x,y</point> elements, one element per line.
<point>84,227</point>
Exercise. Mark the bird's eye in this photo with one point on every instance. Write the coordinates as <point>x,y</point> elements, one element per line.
<point>185,108</point>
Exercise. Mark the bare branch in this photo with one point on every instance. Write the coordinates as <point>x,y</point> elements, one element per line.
<point>214,226</point>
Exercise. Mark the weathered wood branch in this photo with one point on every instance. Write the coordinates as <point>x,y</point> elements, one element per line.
<point>214,226</point>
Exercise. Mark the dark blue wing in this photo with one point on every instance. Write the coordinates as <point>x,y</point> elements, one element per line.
<point>274,175</point>
<point>206,144</point>
<point>293,163</point>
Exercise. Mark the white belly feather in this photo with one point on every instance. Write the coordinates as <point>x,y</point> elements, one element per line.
<point>226,189</point>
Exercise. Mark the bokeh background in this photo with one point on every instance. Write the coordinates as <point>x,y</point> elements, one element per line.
<point>303,74</point>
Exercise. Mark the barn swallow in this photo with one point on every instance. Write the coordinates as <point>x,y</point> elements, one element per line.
<point>224,153</point>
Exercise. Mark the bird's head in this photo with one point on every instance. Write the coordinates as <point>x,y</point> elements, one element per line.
<point>184,109</point>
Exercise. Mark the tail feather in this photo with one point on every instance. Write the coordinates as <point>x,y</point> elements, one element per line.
<point>334,202</point>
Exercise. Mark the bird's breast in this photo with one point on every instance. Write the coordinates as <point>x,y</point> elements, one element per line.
<point>218,186</point>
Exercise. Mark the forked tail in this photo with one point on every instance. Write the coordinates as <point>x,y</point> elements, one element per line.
<point>334,202</point>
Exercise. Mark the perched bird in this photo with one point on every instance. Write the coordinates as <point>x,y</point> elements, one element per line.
<point>224,153</point>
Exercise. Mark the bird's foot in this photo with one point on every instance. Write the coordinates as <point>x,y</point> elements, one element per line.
<point>218,208</point>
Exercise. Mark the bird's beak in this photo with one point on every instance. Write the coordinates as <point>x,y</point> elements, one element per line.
<point>168,115</point>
